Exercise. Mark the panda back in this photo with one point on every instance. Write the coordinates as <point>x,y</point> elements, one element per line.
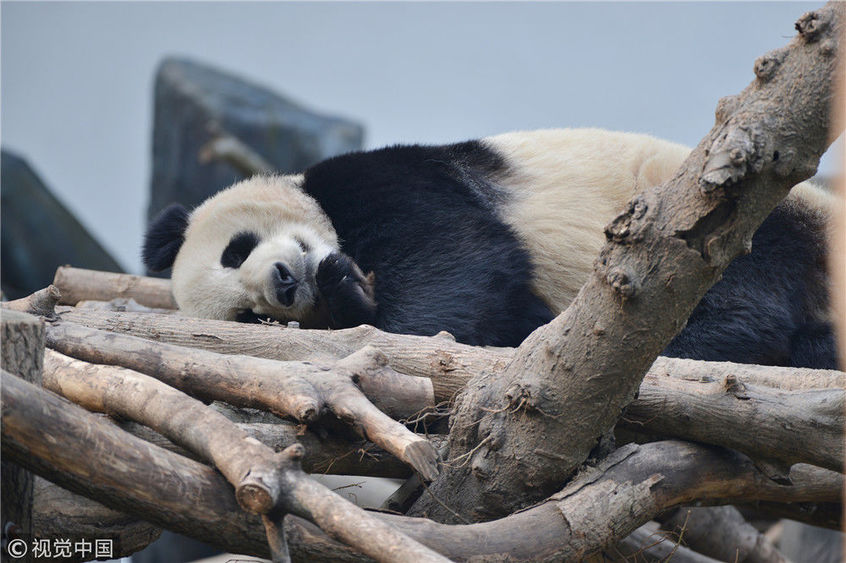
<point>425,220</point>
<point>566,185</point>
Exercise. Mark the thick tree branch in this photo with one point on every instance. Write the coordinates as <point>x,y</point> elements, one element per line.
<point>527,430</point>
<point>450,365</point>
<point>57,513</point>
<point>45,433</point>
<point>721,532</point>
<point>329,454</point>
<point>447,363</point>
<point>76,284</point>
<point>299,389</point>
<point>42,303</point>
<point>248,465</point>
<point>720,403</point>
<point>629,488</point>
<point>764,423</point>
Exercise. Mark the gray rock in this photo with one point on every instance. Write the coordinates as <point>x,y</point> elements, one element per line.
<point>38,234</point>
<point>194,102</point>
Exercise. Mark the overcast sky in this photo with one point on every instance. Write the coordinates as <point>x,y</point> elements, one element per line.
<point>77,78</point>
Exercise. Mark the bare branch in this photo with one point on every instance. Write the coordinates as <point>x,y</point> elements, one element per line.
<point>450,365</point>
<point>721,532</point>
<point>297,389</point>
<point>57,513</point>
<point>569,381</point>
<point>764,423</point>
<point>46,433</point>
<point>721,403</point>
<point>328,454</point>
<point>76,284</point>
<point>42,303</point>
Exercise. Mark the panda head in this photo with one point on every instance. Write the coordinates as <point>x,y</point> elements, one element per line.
<point>249,251</point>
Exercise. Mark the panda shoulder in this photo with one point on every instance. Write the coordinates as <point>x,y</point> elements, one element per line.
<point>813,197</point>
<point>591,151</point>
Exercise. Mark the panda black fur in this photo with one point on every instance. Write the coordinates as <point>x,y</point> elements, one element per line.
<point>485,239</point>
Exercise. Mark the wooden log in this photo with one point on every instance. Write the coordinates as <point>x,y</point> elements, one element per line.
<point>328,455</point>
<point>42,303</point>
<point>762,422</point>
<point>686,399</point>
<point>58,513</point>
<point>21,353</point>
<point>447,363</point>
<point>610,501</point>
<point>77,284</point>
<point>129,474</point>
<point>46,433</point>
<point>297,389</point>
<point>247,464</point>
<point>648,544</point>
<point>721,532</point>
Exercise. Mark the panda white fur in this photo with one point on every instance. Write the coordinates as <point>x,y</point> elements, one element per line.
<point>486,239</point>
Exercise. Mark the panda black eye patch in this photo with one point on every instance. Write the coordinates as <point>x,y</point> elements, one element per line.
<point>238,249</point>
<point>302,244</point>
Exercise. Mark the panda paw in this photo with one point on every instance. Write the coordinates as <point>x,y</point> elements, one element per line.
<point>348,293</point>
<point>333,270</point>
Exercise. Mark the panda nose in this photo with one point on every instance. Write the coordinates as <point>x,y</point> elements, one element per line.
<point>284,283</point>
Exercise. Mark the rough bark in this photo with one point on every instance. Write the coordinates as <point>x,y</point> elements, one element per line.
<point>767,424</point>
<point>447,363</point>
<point>648,543</point>
<point>46,433</point>
<point>77,284</point>
<point>326,454</point>
<point>42,303</point>
<point>21,353</point>
<point>58,513</point>
<point>721,532</point>
<point>248,465</point>
<point>721,403</point>
<point>299,389</point>
<point>450,365</point>
<point>516,436</point>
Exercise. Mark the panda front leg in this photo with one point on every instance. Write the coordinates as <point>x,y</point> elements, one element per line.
<point>347,293</point>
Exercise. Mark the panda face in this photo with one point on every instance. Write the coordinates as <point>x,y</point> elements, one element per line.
<point>253,251</point>
<point>277,273</point>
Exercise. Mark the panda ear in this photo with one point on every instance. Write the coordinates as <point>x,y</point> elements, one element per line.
<point>164,238</point>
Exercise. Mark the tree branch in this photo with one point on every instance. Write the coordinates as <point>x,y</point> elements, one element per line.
<point>297,389</point>
<point>45,433</point>
<point>77,284</point>
<point>528,429</point>
<point>766,424</point>
<point>721,532</point>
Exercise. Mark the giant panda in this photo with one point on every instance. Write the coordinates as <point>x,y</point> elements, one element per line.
<point>485,239</point>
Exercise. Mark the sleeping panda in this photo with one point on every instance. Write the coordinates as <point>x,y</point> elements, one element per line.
<point>485,239</point>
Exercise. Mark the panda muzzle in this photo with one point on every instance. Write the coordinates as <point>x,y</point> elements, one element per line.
<point>284,284</point>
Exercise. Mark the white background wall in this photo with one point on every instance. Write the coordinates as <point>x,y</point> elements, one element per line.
<point>76,90</point>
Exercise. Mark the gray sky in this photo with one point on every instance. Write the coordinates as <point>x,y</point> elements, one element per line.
<point>77,78</point>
